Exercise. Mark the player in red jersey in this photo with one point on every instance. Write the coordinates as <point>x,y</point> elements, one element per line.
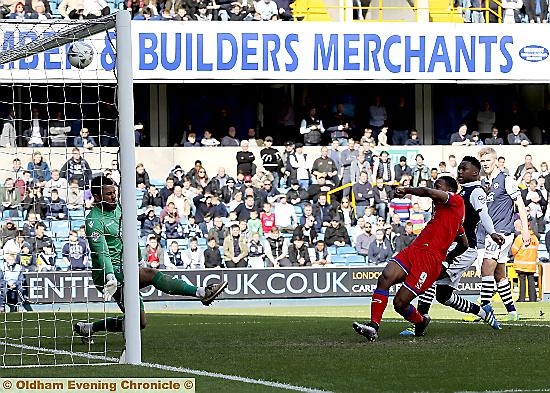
<point>419,265</point>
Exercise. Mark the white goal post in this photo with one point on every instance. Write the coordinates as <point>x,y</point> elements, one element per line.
<point>56,36</point>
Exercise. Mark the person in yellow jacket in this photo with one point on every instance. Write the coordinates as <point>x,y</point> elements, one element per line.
<point>525,264</point>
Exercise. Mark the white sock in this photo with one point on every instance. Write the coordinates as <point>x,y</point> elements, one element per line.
<point>200,292</point>
<point>87,328</point>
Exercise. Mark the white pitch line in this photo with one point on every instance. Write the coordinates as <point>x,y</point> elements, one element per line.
<point>505,391</point>
<point>202,373</point>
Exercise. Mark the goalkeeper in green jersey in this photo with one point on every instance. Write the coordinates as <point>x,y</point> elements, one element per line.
<point>103,231</point>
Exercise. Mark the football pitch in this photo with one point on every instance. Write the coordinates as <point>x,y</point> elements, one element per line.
<point>315,349</point>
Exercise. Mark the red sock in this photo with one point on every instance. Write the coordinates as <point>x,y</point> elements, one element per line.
<point>412,315</point>
<point>378,305</point>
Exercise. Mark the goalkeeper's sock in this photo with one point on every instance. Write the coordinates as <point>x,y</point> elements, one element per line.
<point>173,286</point>
<point>109,325</point>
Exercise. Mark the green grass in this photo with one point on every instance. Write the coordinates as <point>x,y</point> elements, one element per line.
<point>316,348</point>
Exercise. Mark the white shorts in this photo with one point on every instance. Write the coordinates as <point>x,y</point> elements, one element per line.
<point>496,252</point>
<point>454,272</point>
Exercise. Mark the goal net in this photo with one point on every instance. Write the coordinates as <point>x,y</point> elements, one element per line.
<point>60,127</point>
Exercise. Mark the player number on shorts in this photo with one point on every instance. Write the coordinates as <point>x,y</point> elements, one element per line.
<point>421,280</point>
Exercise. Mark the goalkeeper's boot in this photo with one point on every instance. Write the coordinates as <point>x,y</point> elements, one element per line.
<point>409,331</point>
<point>84,330</point>
<point>490,317</point>
<point>513,316</point>
<point>420,328</point>
<point>212,291</point>
<point>367,330</point>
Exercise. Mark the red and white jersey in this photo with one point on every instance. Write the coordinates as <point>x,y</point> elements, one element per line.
<point>442,229</point>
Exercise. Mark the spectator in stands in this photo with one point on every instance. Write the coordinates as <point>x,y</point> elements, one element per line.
<point>377,115</point>
<point>285,215</point>
<point>191,140</point>
<point>245,160</point>
<point>531,11</point>
<point>401,207</point>
<point>494,139</point>
<point>334,151</point>
<point>218,231</point>
<point>296,194</point>
<point>142,177</point>
<point>383,137</point>
<point>147,221</point>
<point>36,134</point>
<point>533,198</point>
<point>527,166</point>
<point>75,252</point>
<point>383,168</point>
<point>518,137</point>
<point>271,160</point>
<point>336,234</point>
<point>235,248</point>
<point>167,190</point>
<point>485,118</point>
<point>10,198</point>
<point>216,184</point>
<point>8,135</point>
<point>171,227</point>
<point>402,168</point>
<point>323,212</point>
<point>364,240</point>
<point>256,253</point>
<point>461,137</point>
<point>501,164</point>
<point>75,196</point>
<point>267,218</point>
<point>208,140</point>
<point>300,166</point>
<point>40,11</point>
<point>26,258</point>
<point>40,239</point>
<point>77,168</point>
<point>16,171</point>
<point>277,249</point>
<point>35,202</point>
<point>266,10</point>
<point>414,140</point>
<point>320,255</point>
<point>307,212</point>
<point>182,203</point>
<point>346,214</point>
<point>311,126</point>
<point>58,130</point>
<point>380,249</point>
<point>419,171</point>
<point>191,229</point>
<point>235,12</point>
<point>298,253</point>
<point>254,224</point>
<point>212,254</point>
<point>57,207</point>
<point>382,194</point>
<point>9,231</point>
<point>326,166</point>
<point>525,264</point>
<point>151,197</point>
<point>316,189</point>
<point>11,285</point>
<point>154,254</point>
<point>261,177</point>
<point>346,158</point>
<point>18,11</point>
<point>367,139</point>
<point>229,139</point>
<point>360,165</point>
<point>38,167</point>
<point>193,256</point>
<point>56,183</point>
<point>173,259</point>
<point>96,9</point>
<point>307,231</point>
<point>85,140</point>
<point>476,141</point>
<point>406,238</point>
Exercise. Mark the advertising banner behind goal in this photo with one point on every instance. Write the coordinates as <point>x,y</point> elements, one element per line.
<point>77,287</point>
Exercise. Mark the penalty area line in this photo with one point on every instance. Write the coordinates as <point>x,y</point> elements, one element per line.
<point>202,373</point>
<point>504,391</point>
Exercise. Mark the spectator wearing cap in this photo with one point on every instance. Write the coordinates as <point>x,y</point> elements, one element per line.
<point>298,162</point>
<point>336,234</point>
<point>380,249</point>
<point>296,194</point>
<point>402,168</point>
<point>298,253</point>
<point>285,215</point>
<point>245,159</point>
<point>414,139</point>
<point>312,128</point>
<point>476,141</point>
<point>363,193</point>
<point>494,139</point>
<point>271,160</point>
<point>229,139</point>
<point>326,166</point>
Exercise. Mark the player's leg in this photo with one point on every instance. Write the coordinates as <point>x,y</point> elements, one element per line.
<point>175,286</point>
<point>487,280</point>
<point>392,274</point>
<point>505,291</point>
<point>425,301</point>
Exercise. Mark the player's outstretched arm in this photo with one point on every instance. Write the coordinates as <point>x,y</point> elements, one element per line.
<point>436,195</point>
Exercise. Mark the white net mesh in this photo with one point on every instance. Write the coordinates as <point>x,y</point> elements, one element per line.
<point>59,129</point>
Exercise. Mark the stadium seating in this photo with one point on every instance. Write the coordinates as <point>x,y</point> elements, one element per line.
<point>345,250</point>
<point>339,260</point>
